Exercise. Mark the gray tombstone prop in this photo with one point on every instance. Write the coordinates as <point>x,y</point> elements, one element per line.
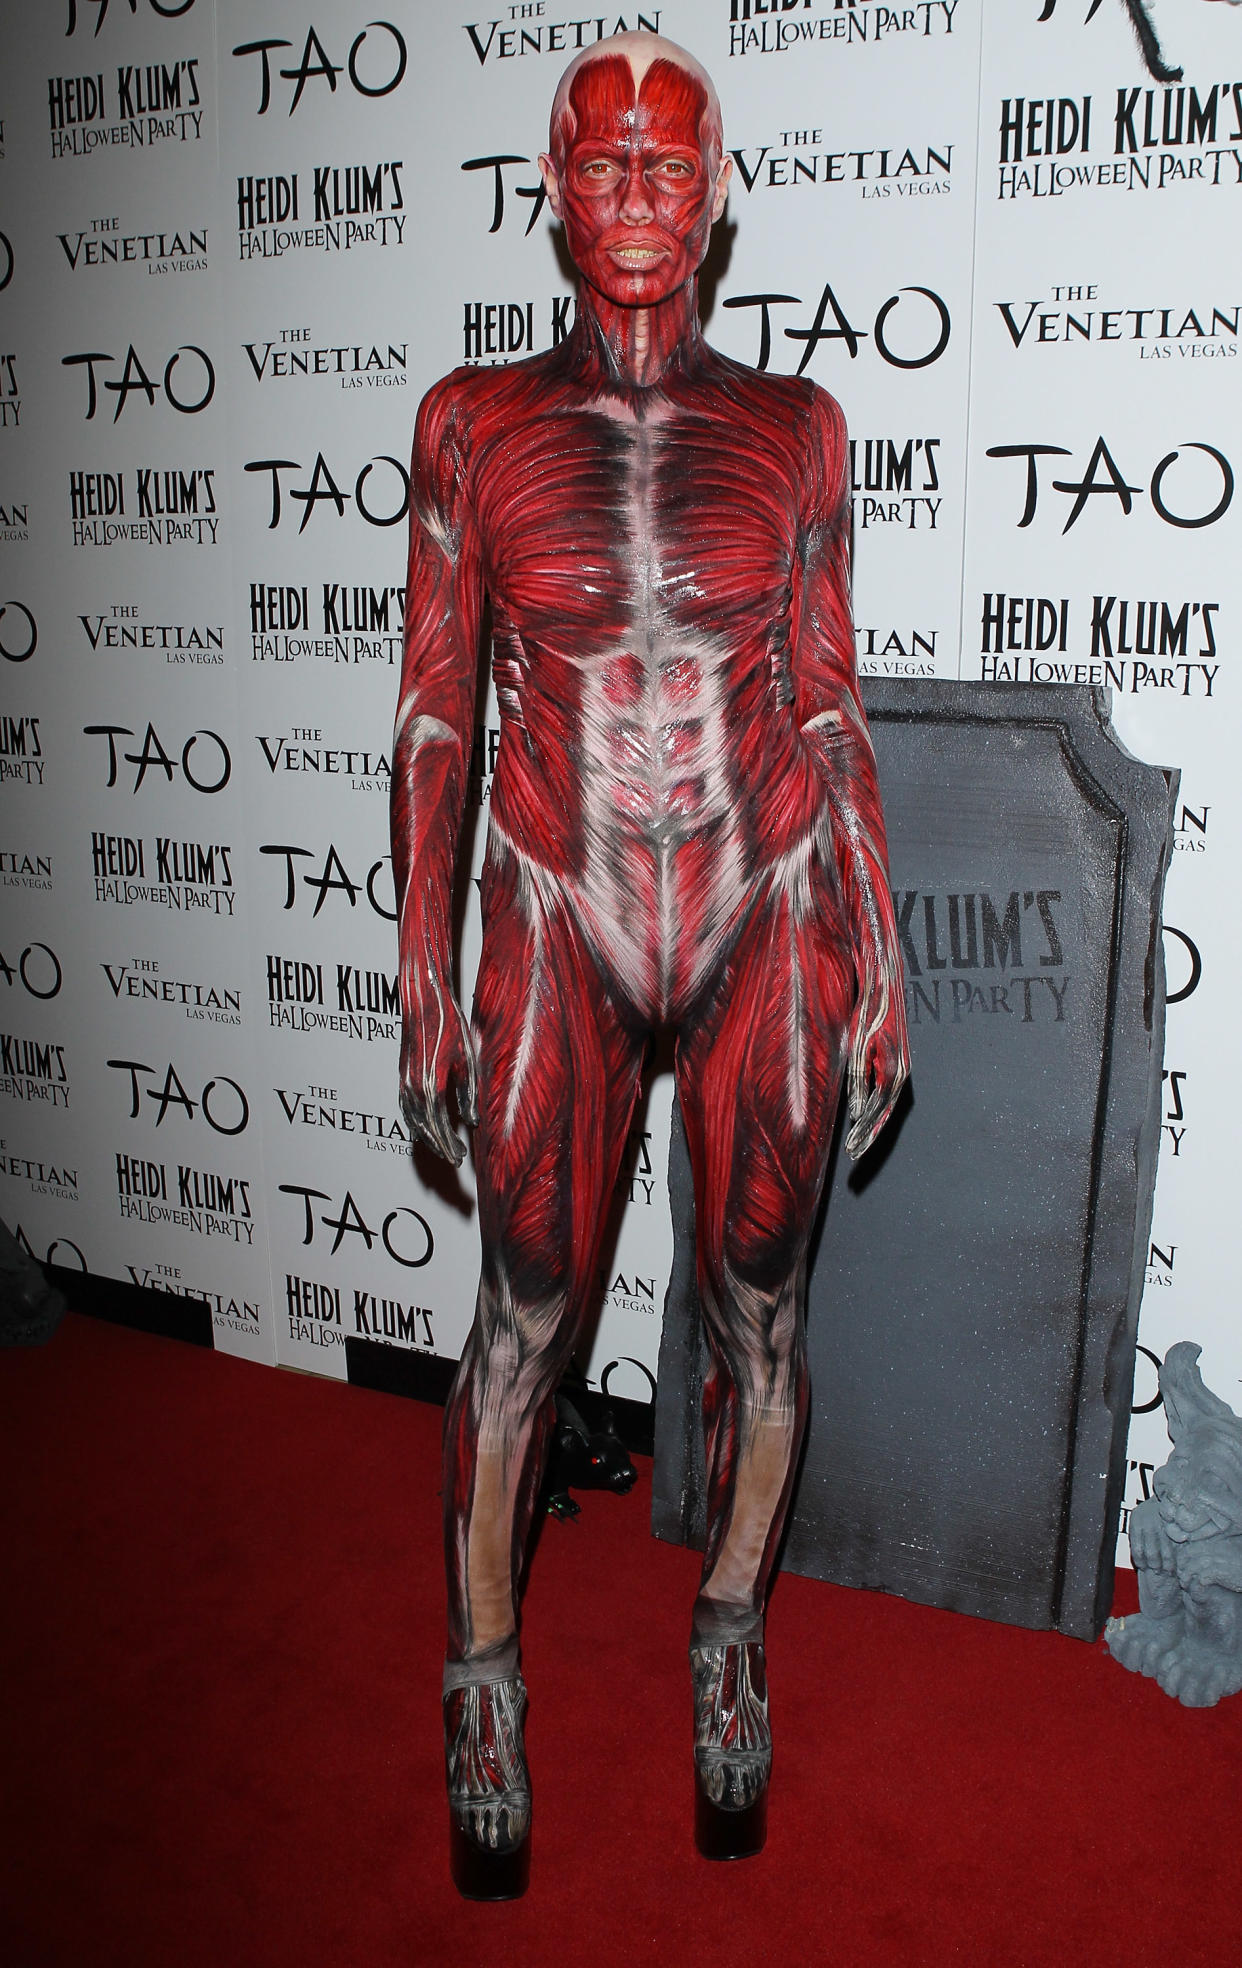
<point>974,1296</point>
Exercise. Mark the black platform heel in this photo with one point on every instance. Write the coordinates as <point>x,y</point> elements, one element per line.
<point>732,1749</point>
<point>480,1874</point>
<point>721,1834</point>
<point>488,1789</point>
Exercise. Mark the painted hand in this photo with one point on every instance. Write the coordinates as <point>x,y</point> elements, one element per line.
<point>437,1053</point>
<point>879,1050</point>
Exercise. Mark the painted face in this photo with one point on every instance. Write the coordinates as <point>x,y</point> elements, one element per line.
<point>636,177</point>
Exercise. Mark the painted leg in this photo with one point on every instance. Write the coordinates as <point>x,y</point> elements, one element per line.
<point>759,1078</point>
<point>558,1078</point>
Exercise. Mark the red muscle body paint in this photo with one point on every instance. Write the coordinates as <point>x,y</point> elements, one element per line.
<point>685,829</point>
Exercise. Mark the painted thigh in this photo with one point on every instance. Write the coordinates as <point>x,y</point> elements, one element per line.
<point>558,1075</point>
<point>759,1076</point>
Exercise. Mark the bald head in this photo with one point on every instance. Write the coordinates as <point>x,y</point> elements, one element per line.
<point>639,52</point>
<point>636,169</point>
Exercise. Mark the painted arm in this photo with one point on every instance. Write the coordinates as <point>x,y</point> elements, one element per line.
<point>430,763</point>
<point>829,712</point>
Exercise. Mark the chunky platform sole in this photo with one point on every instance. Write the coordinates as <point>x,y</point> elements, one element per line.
<point>721,1834</point>
<point>481,1874</point>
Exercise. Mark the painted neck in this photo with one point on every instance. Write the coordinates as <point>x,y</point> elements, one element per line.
<point>639,344</point>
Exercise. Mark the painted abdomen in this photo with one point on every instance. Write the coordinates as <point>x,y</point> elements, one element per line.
<point>665,867</point>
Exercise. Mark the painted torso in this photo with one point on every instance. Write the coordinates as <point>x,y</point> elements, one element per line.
<point>641,552</point>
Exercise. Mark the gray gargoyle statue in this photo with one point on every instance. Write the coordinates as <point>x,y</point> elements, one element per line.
<point>1186,1544</point>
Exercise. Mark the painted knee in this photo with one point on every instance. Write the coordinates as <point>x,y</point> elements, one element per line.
<point>757,1328</point>
<point>517,1371</point>
<point>526,1273</point>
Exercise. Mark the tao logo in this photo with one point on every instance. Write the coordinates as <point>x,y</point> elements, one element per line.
<point>30,636</point>
<point>33,983</point>
<point>173,1094</point>
<point>1147,1407</point>
<point>315,61</point>
<point>153,754</point>
<point>1196,966</point>
<point>1102,477</point>
<point>843,329</point>
<point>335,876</point>
<point>51,1256</point>
<point>323,486</point>
<point>350,1221</point>
<point>537,193</point>
<point>135,377</point>
<point>169,10</point>
<point>626,1360</point>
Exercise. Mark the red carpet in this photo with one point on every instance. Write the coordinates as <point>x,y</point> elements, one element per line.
<point>222,1652</point>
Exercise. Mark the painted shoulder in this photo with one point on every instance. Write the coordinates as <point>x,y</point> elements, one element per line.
<point>796,397</point>
<point>815,423</point>
<point>470,392</point>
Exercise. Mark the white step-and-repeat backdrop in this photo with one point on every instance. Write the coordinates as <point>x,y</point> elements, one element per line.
<point>237,242</point>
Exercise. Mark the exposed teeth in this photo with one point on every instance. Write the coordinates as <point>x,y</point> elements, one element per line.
<point>635,253</point>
